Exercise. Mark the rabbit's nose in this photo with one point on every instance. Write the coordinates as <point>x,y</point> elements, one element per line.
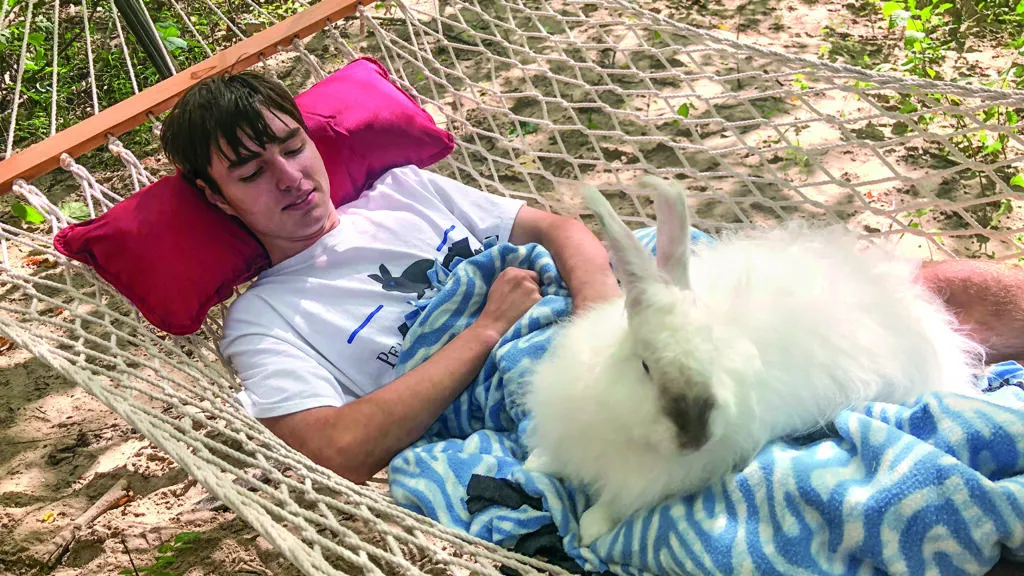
<point>688,442</point>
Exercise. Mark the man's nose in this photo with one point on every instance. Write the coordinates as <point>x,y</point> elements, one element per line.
<point>288,176</point>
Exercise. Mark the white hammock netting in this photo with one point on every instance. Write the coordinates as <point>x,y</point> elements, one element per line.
<point>541,95</point>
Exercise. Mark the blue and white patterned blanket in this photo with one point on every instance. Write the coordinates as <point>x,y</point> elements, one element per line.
<point>932,488</point>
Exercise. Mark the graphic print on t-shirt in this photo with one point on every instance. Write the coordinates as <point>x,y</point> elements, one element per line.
<point>413,280</point>
<point>459,249</point>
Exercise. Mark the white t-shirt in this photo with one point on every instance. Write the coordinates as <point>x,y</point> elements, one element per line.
<point>325,326</point>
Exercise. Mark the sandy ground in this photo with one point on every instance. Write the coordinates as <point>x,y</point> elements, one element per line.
<point>62,451</point>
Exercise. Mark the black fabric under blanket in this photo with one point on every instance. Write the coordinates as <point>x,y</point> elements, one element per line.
<point>544,543</point>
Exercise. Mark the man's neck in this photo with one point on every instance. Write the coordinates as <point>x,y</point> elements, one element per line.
<point>280,250</point>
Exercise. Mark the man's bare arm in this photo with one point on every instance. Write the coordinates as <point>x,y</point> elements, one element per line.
<point>582,260</point>
<point>359,438</point>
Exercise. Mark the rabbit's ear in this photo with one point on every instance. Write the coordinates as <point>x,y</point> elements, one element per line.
<point>673,229</point>
<point>633,263</point>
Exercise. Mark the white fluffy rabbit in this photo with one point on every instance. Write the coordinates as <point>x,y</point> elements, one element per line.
<point>708,357</point>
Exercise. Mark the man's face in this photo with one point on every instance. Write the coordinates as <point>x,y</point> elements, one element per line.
<point>281,192</point>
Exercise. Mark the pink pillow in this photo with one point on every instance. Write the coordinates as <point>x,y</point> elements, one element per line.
<point>174,255</point>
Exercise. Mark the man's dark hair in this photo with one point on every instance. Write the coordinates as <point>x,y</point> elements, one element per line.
<point>224,107</point>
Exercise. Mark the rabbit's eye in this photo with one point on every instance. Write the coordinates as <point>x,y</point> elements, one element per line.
<point>646,367</point>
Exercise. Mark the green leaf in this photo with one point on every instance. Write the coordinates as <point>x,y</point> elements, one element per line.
<point>993,147</point>
<point>167,30</point>
<point>27,213</point>
<point>127,572</point>
<point>163,562</point>
<point>684,110</point>
<point>908,107</point>
<point>1017,180</point>
<point>186,538</point>
<point>912,36</point>
<point>165,548</point>
<point>36,39</point>
<point>1005,207</point>
<point>889,7</point>
<point>1020,7</point>
<point>899,18</point>
<point>75,210</point>
<point>174,43</point>
<point>900,128</point>
<point>524,128</point>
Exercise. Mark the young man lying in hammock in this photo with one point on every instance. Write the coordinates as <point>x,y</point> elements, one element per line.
<point>316,337</point>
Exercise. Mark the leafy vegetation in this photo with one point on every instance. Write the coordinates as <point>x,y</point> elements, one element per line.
<point>77,211</point>
<point>928,39</point>
<point>73,95</point>
<point>166,557</point>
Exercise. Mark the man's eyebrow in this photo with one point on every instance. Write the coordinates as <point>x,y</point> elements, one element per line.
<point>244,159</point>
<point>288,135</point>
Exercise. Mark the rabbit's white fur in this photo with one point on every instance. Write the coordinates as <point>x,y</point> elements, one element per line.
<point>780,330</point>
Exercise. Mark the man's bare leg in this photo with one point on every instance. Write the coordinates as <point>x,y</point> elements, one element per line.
<point>987,298</point>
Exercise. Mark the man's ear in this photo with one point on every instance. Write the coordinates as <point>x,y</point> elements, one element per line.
<point>216,199</point>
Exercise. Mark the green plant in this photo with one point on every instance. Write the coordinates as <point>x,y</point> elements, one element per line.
<point>171,37</point>
<point>683,111</point>
<point>281,10</point>
<point>1007,15</point>
<point>925,33</point>
<point>28,214</point>
<point>165,556</point>
<point>916,216</point>
<point>113,83</point>
<point>524,128</point>
<point>798,157</point>
<point>74,210</point>
<point>1005,207</point>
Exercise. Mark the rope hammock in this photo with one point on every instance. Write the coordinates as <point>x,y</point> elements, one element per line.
<point>541,94</point>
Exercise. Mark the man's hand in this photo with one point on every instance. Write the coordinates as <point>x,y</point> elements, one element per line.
<point>514,291</point>
<point>361,437</point>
